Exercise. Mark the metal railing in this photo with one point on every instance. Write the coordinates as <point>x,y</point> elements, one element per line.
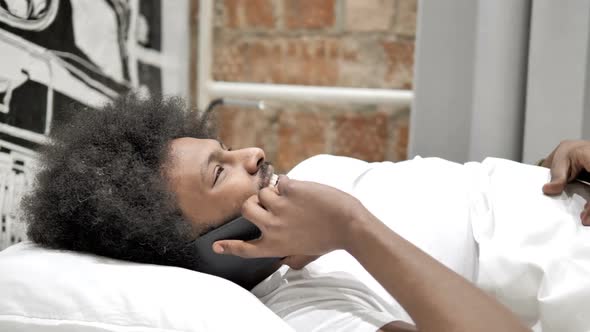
<point>208,89</point>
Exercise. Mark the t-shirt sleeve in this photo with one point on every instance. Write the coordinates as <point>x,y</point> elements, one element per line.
<point>313,300</point>
<point>335,171</point>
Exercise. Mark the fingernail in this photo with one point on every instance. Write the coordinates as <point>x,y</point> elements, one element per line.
<point>218,248</point>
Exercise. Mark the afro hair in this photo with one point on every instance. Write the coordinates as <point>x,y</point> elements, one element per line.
<point>101,186</point>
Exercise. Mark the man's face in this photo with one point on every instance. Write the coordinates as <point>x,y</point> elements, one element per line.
<point>211,182</point>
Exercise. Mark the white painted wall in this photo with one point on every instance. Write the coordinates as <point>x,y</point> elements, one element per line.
<point>557,100</point>
<point>499,80</point>
<point>176,48</point>
<point>443,79</point>
<point>503,78</point>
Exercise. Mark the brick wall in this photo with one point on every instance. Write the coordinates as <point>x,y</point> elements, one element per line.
<point>352,43</point>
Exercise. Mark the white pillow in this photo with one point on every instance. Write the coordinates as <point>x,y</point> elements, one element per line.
<point>52,290</point>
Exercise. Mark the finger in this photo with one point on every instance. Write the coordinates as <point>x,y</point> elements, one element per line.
<point>244,249</point>
<point>283,185</point>
<point>553,188</point>
<point>256,213</point>
<point>559,173</point>
<point>268,198</point>
<point>549,160</point>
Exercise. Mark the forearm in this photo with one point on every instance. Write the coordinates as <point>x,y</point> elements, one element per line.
<point>436,298</point>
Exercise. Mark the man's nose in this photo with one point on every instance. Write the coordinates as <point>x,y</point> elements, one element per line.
<point>253,159</point>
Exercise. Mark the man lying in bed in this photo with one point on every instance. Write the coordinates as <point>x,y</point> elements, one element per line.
<point>137,180</point>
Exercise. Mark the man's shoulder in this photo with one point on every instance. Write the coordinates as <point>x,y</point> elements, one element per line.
<point>336,171</point>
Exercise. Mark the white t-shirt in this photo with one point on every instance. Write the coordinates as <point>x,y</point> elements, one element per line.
<point>423,200</point>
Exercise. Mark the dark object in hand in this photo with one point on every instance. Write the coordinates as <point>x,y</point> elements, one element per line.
<point>584,177</point>
<point>246,272</point>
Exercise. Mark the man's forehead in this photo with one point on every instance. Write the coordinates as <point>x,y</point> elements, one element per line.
<point>184,155</point>
<point>180,145</point>
<point>191,144</point>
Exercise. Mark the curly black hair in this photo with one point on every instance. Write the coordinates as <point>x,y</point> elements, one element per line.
<point>101,187</point>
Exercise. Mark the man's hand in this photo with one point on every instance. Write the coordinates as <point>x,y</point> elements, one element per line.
<point>300,219</point>
<point>566,162</point>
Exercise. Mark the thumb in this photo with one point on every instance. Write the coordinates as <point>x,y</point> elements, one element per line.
<point>559,173</point>
<point>237,248</point>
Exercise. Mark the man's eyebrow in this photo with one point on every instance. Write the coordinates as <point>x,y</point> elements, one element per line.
<point>205,167</point>
<point>221,144</point>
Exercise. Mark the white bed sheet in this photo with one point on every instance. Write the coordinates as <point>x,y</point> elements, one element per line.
<point>534,253</point>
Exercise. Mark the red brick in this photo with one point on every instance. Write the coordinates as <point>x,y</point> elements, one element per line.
<point>405,23</point>
<point>249,14</point>
<point>259,13</point>
<point>361,63</point>
<point>399,57</point>
<point>300,135</point>
<point>232,19</point>
<point>229,62</point>
<point>257,57</point>
<point>309,14</point>
<point>400,138</point>
<point>265,61</point>
<point>291,49</point>
<point>350,54</point>
<point>241,128</point>
<point>311,62</point>
<point>333,47</point>
<point>283,61</point>
<point>362,135</point>
<point>369,15</point>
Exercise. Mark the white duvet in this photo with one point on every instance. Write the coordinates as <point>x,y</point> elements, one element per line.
<point>534,253</point>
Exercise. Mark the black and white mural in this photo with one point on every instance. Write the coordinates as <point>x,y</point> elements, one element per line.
<point>57,53</point>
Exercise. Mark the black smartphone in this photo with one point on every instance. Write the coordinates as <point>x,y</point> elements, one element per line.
<point>584,177</point>
<point>246,272</point>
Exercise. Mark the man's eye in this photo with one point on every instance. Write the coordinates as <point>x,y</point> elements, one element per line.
<point>217,173</point>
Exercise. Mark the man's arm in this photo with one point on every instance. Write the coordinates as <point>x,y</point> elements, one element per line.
<point>306,218</point>
<point>436,298</point>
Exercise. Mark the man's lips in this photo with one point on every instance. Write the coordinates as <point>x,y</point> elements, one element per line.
<point>269,171</point>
